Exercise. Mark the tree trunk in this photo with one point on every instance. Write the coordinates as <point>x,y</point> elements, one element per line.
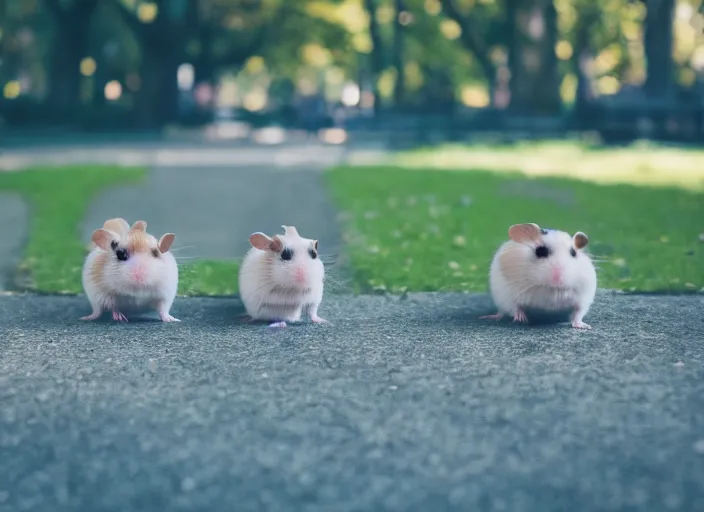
<point>157,99</point>
<point>535,88</point>
<point>588,18</point>
<point>69,48</point>
<point>398,56</point>
<point>658,37</point>
<point>377,56</point>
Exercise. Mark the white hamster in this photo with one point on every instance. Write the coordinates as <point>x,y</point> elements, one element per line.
<point>280,276</point>
<point>128,270</point>
<point>542,270</point>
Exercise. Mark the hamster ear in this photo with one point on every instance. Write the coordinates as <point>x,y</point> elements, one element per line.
<point>315,244</point>
<point>140,225</point>
<point>165,242</point>
<point>523,233</point>
<point>103,238</point>
<point>117,225</point>
<point>290,230</point>
<point>580,240</point>
<point>264,243</point>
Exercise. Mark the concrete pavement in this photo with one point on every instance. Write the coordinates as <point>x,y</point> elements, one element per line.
<point>401,404</point>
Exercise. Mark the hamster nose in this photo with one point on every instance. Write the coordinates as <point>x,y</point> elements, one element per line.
<point>299,275</point>
<point>556,275</point>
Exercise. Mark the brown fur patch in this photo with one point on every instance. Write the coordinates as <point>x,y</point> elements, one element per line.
<point>512,262</point>
<point>139,242</point>
<point>97,270</point>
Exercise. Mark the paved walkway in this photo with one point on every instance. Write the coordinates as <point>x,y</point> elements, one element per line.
<point>189,155</point>
<point>213,210</point>
<point>400,405</point>
<point>14,223</point>
<point>212,197</point>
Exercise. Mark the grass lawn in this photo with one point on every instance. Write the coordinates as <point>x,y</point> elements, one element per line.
<point>641,163</point>
<point>428,229</point>
<point>59,198</point>
<point>428,223</point>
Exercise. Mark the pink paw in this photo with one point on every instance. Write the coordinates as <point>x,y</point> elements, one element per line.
<point>92,316</point>
<point>118,317</point>
<point>497,316</point>
<point>165,317</point>
<point>316,319</point>
<point>277,324</point>
<point>580,325</point>
<point>520,317</point>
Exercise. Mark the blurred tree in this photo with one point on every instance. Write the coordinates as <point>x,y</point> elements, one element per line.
<point>71,41</point>
<point>532,32</point>
<point>658,40</point>
<point>402,17</point>
<point>160,27</point>
<point>377,51</point>
<point>476,26</point>
<point>580,49</point>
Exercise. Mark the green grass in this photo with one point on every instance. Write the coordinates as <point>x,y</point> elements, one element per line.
<point>58,199</point>
<point>410,227</point>
<point>428,229</point>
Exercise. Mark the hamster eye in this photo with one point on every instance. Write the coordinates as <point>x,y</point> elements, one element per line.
<point>312,253</point>
<point>155,253</point>
<point>573,252</point>
<point>122,254</point>
<point>542,251</point>
<point>113,245</point>
<point>286,254</point>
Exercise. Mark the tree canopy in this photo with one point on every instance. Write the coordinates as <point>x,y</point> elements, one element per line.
<point>532,57</point>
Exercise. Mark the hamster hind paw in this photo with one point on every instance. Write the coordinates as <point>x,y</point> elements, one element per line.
<point>520,317</point>
<point>92,316</point>
<point>118,317</point>
<point>495,316</point>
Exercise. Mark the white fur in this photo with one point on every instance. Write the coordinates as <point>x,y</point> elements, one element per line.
<point>268,288</point>
<point>117,292</point>
<point>519,281</point>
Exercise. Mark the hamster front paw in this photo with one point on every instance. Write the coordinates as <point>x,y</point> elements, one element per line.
<point>276,325</point>
<point>165,317</point>
<point>318,320</point>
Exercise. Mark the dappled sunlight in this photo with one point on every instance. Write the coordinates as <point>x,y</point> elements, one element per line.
<point>642,165</point>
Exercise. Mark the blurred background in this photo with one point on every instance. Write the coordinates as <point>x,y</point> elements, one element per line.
<point>414,71</point>
<point>405,135</point>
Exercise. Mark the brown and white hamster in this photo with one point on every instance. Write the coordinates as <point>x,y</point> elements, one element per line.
<point>128,270</point>
<point>280,277</point>
<point>542,270</point>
